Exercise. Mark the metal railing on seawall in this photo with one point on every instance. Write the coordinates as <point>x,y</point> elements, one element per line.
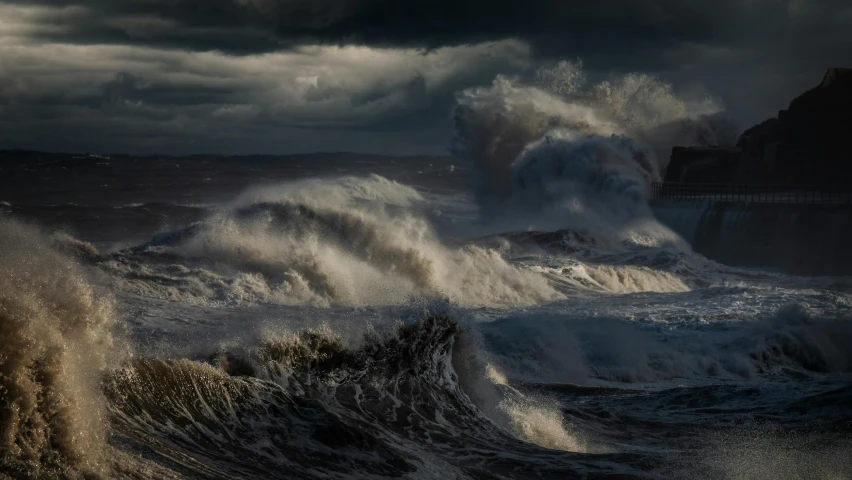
<point>731,192</point>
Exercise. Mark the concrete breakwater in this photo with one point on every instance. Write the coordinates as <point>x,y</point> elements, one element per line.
<point>801,239</point>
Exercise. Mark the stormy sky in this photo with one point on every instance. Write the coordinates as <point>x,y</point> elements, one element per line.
<point>287,76</point>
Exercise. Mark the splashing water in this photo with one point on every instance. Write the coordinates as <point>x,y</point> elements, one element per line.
<point>564,154</point>
<point>57,338</point>
<point>350,241</point>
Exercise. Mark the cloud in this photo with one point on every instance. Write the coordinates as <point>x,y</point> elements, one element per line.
<point>618,28</point>
<point>204,67</point>
<point>265,25</point>
<point>69,94</point>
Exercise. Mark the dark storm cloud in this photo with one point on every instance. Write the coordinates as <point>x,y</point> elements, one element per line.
<point>239,69</point>
<point>139,98</point>
<point>553,26</point>
<point>649,35</point>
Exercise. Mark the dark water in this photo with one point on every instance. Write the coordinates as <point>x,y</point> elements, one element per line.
<point>355,317</point>
<point>103,198</point>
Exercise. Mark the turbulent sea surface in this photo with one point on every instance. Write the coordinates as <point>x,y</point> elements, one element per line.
<point>513,312</point>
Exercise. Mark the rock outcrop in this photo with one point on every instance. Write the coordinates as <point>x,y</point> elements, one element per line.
<point>810,143</point>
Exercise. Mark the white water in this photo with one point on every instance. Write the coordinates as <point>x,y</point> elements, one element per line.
<point>338,327</point>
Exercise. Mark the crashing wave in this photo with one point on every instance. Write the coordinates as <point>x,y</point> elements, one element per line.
<point>57,339</point>
<point>394,405</point>
<point>350,241</point>
<point>566,155</point>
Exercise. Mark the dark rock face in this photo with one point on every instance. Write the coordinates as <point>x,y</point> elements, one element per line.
<point>799,239</point>
<point>703,165</point>
<point>810,143</point>
<point>759,146</point>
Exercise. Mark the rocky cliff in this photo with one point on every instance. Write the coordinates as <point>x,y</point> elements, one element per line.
<point>807,144</point>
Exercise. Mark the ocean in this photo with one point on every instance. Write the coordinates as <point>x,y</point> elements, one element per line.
<point>341,317</point>
<point>514,311</point>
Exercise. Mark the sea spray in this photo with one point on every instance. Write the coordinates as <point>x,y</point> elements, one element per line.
<point>534,419</point>
<point>565,154</point>
<point>347,241</point>
<point>56,331</point>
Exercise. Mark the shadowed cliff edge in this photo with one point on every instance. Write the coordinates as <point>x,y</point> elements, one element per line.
<point>805,146</point>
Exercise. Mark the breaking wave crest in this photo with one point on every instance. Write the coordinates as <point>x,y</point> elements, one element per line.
<point>403,400</point>
<point>351,241</point>
<point>57,339</point>
<point>559,155</point>
<point>394,405</point>
<point>563,154</point>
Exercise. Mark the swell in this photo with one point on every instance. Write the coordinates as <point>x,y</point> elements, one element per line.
<point>790,343</point>
<point>398,404</point>
<point>108,223</point>
<point>367,241</point>
<point>350,241</point>
<point>305,405</point>
<point>423,399</point>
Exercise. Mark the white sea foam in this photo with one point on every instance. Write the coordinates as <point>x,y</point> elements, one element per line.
<point>350,241</point>
<point>563,154</point>
<point>579,349</point>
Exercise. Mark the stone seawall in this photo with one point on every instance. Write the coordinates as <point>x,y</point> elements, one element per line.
<point>794,238</point>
